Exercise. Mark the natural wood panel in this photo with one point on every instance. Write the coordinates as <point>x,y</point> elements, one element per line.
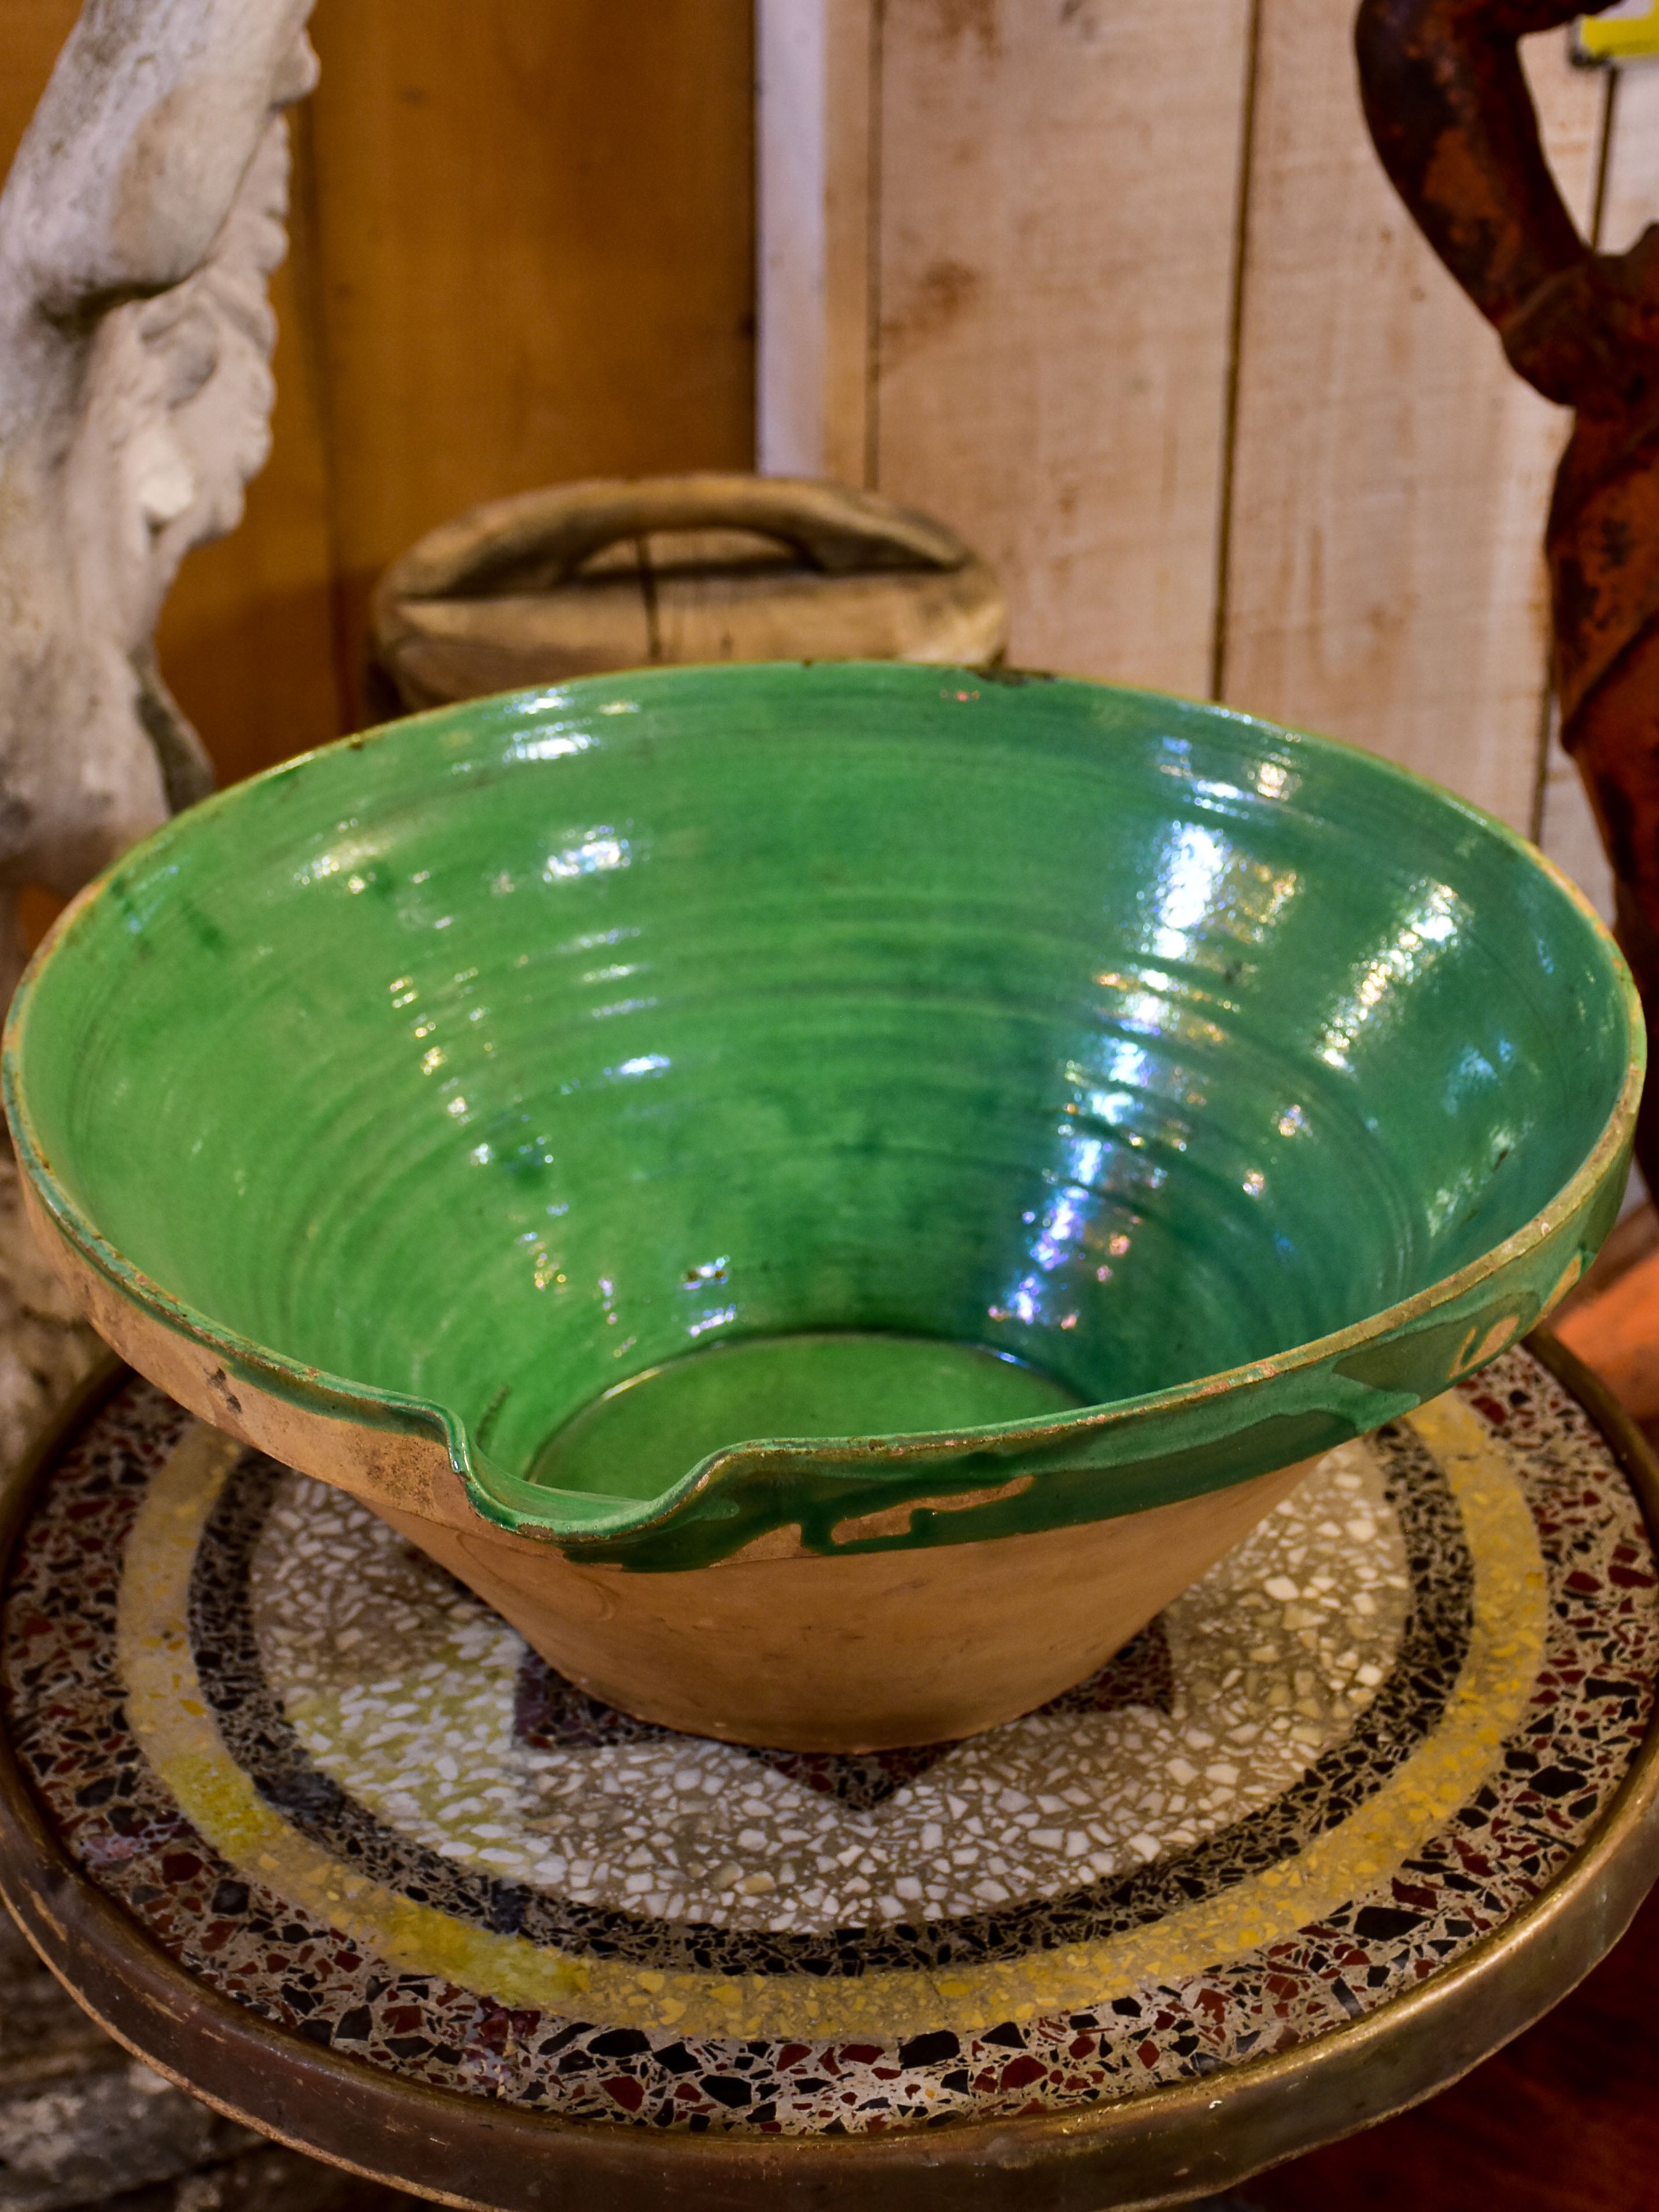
<point>1386,578</point>
<point>31,33</point>
<point>532,260</point>
<point>1057,181</point>
<point>535,246</point>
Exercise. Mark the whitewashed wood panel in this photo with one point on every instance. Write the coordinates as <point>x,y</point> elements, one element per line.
<point>1057,184</point>
<point>1567,830</point>
<point>814,63</point>
<point>1391,478</point>
<point>1051,198</point>
<point>1630,196</point>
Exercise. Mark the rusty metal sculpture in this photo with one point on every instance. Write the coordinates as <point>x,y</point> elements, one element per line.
<point>1453,120</point>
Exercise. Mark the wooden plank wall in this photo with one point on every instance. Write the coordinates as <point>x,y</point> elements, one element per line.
<point>1129,304</point>
<point>1143,319</point>
<point>523,251</point>
<point>1056,246</point>
<point>1391,473</point>
<point>814,149</point>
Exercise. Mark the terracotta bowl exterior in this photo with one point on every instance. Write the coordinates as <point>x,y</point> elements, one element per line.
<point>567,1057</point>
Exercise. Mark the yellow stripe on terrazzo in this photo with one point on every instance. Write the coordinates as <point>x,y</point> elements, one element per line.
<point>171,1718</point>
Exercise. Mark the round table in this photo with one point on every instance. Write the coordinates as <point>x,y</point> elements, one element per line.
<point>307,1827</point>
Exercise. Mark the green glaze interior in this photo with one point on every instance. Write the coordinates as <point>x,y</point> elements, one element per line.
<point>455,1075</point>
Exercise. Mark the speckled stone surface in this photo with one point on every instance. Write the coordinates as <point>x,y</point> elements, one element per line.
<point>333,1784</point>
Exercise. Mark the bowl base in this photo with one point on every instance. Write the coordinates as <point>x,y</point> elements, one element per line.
<point>852,1651</point>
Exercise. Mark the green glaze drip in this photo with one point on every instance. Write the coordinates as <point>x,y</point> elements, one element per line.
<point>637,1440</point>
<point>1241,1083</point>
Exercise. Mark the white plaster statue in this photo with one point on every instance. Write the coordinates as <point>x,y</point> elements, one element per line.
<point>138,225</point>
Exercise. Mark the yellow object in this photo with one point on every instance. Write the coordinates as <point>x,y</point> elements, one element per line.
<point>1628,32</point>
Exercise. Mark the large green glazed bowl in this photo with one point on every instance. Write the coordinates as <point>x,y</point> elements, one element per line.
<point>1238,1090</point>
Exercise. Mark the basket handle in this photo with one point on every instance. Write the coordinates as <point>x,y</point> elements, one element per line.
<point>550,533</point>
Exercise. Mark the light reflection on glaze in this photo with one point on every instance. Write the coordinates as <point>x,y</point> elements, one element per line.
<point>595,853</point>
<point>1194,866</point>
<point>594,939</point>
<point>1205,893</point>
<point>355,853</point>
<point>551,744</point>
<point>1205,896</point>
<point>1384,980</point>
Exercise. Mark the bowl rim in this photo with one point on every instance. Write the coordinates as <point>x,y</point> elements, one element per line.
<point>320,1390</point>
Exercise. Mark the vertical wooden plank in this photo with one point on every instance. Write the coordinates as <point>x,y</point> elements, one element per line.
<point>815,176</point>
<point>31,33</point>
<point>792,144</point>
<point>537,246</point>
<point>1630,199</point>
<point>851,188</point>
<point>1057,183</point>
<point>1567,830</point>
<point>1392,475</point>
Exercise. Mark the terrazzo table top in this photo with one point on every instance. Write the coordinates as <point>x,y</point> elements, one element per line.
<point>308,1827</point>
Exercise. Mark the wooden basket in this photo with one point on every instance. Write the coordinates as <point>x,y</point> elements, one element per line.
<point>618,573</point>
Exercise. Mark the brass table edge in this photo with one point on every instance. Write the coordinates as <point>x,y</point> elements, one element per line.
<point>439,2143</point>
